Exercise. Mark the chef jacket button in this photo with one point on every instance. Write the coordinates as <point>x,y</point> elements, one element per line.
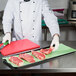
<point>21,20</point>
<point>33,36</point>
<point>33,11</point>
<point>33,2</point>
<point>20,2</point>
<point>20,11</point>
<point>33,28</point>
<point>33,20</point>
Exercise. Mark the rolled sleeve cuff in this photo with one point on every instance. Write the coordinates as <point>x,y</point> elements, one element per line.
<point>6,28</point>
<point>54,31</point>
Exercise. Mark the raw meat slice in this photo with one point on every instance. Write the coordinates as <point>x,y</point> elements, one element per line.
<point>16,60</point>
<point>46,51</point>
<point>27,57</point>
<point>39,55</point>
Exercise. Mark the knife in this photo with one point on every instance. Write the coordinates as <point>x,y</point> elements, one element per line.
<point>4,44</point>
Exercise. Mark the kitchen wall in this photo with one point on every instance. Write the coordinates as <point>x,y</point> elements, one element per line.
<point>53,4</point>
<point>2,4</point>
<point>58,4</point>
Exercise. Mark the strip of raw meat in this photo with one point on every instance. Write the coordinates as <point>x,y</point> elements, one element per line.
<point>39,55</point>
<point>27,57</point>
<point>16,60</point>
<point>46,51</point>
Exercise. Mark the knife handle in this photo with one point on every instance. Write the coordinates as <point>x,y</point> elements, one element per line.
<point>6,43</point>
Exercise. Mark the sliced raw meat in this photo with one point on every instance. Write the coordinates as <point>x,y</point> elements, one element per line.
<point>46,51</point>
<point>16,60</point>
<point>39,55</point>
<point>27,57</point>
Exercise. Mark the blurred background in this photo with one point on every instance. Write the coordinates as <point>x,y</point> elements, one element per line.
<point>65,10</point>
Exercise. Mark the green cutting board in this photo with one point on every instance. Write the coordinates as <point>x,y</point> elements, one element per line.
<point>62,50</point>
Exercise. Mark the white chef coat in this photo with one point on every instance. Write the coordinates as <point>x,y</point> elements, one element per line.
<point>27,17</point>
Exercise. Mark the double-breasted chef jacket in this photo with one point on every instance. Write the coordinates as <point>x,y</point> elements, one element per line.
<point>26,19</point>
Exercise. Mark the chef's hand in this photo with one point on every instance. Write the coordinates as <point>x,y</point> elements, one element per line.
<point>7,37</point>
<point>55,42</point>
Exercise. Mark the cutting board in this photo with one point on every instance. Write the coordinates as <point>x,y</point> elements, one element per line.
<point>1,45</point>
<point>62,50</point>
<point>18,46</point>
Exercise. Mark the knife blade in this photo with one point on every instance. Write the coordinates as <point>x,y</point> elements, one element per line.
<point>4,44</point>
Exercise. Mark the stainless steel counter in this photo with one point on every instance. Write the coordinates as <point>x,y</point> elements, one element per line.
<point>66,63</point>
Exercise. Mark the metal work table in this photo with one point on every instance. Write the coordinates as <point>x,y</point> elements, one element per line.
<point>66,63</point>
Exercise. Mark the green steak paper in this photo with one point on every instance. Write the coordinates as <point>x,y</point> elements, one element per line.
<point>62,50</point>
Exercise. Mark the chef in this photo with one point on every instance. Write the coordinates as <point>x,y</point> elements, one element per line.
<point>25,16</point>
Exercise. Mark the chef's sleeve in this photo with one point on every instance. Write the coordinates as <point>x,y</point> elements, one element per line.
<point>49,18</point>
<point>8,17</point>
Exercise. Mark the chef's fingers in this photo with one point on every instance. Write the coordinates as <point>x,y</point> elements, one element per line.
<point>4,40</point>
<point>53,45</point>
<point>56,47</point>
<point>9,41</point>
